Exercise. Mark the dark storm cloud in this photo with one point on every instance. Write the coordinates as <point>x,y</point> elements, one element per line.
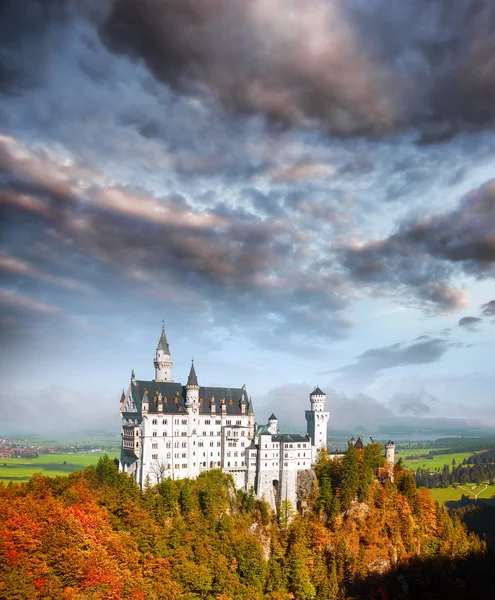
<point>469,323</point>
<point>426,252</point>
<point>361,67</point>
<point>228,260</point>
<point>488,309</point>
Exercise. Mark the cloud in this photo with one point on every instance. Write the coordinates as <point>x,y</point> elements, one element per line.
<point>353,68</point>
<point>222,259</point>
<point>408,414</point>
<point>488,309</point>
<point>424,253</point>
<point>469,323</point>
<point>374,361</point>
<point>10,299</point>
<point>54,410</point>
<point>413,403</point>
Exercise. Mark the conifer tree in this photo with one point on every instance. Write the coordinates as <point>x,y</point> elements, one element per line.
<point>350,477</point>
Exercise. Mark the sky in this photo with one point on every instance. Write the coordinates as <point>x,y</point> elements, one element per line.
<point>304,193</point>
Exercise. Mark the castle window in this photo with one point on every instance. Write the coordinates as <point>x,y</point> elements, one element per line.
<point>243,432</point>
<point>169,444</point>
<point>176,421</point>
<point>212,433</point>
<point>164,434</point>
<point>168,455</point>
<point>219,443</point>
<point>212,443</point>
<point>184,455</point>
<point>176,433</point>
<point>154,433</point>
<point>154,456</point>
<point>218,422</point>
<point>176,444</point>
<point>177,466</point>
<point>242,463</point>
<point>176,455</point>
<point>200,444</point>
<point>184,466</point>
<point>229,454</point>
<point>228,464</point>
<point>236,454</point>
<point>184,433</point>
<point>238,422</point>
<point>286,464</point>
<point>242,453</point>
<point>154,445</point>
<point>184,421</point>
<point>164,422</point>
<point>207,422</point>
<point>228,422</point>
<point>184,444</point>
<point>204,432</point>
<point>154,422</point>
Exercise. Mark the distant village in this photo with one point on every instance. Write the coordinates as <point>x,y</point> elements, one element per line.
<point>19,448</point>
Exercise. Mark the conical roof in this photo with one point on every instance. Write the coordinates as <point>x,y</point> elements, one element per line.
<point>162,342</point>
<point>317,392</point>
<point>272,418</point>
<point>192,379</point>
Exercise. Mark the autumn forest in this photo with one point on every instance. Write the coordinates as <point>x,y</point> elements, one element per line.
<point>363,534</point>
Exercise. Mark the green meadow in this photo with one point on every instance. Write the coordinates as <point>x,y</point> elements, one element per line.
<point>437,462</point>
<point>470,490</point>
<point>21,469</point>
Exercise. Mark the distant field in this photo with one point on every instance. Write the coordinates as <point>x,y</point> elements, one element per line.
<point>101,440</point>
<point>21,469</point>
<point>451,494</point>
<point>431,463</point>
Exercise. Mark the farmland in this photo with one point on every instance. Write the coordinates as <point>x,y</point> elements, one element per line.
<point>437,462</point>
<point>451,494</point>
<point>52,464</point>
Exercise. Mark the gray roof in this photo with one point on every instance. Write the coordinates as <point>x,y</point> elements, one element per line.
<point>172,391</point>
<point>192,379</point>
<point>290,437</point>
<point>162,342</point>
<point>317,392</point>
<point>272,418</point>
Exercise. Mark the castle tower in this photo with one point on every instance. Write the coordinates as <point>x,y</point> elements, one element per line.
<point>317,419</point>
<point>192,390</point>
<point>272,424</point>
<point>163,361</point>
<point>390,452</point>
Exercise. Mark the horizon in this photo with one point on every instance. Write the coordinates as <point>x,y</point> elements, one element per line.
<point>310,203</point>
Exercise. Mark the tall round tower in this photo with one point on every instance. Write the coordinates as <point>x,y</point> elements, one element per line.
<point>390,452</point>
<point>317,420</point>
<point>163,361</point>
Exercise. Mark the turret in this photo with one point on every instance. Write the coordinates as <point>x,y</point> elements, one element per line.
<point>390,452</point>
<point>317,419</point>
<point>163,361</point>
<point>192,389</point>
<point>272,424</point>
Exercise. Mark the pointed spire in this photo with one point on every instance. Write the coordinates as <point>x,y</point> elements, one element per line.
<point>192,380</point>
<point>162,342</point>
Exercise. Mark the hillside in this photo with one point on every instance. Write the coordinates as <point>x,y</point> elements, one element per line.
<point>93,535</point>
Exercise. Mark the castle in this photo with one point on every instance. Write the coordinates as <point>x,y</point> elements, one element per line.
<point>174,430</point>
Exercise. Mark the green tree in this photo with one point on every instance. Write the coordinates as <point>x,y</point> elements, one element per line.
<point>350,477</point>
